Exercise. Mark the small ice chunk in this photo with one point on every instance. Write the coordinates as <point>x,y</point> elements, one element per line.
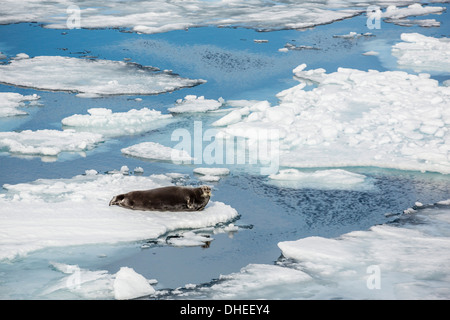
<point>128,284</point>
<point>192,103</point>
<point>11,101</point>
<point>156,151</point>
<point>212,171</point>
<point>113,124</point>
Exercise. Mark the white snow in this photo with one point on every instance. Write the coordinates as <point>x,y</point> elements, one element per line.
<point>388,119</point>
<point>192,103</point>
<point>320,179</point>
<point>11,101</point>
<point>422,53</point>
<point>48,142</point>
<point>75,211</point>
<point>90,78</point>
<point>111,124</point>
<point>156,151</point>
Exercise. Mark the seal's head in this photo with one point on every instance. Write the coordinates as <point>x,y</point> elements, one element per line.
<point>206,191</point>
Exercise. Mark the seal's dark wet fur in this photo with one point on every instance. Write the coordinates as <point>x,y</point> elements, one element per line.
<point>173,198</point>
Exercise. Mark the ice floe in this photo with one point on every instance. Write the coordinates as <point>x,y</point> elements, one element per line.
<point>398,16</point>
<point>192,103</point>
<point>90,78</point>
<point>156,151</point>
<point>211,174</point>
<point>320,179</point>
<point>75,211</point>
<point>108,123</point>
<point>388,119</point>
<point>422,53</point>
<point>48,142</point>
<point>164,15</point>
<point>10,102</point>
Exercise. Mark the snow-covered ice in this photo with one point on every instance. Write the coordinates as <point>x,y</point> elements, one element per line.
<point>192,103</point>
<point>75,211</point>
<point>156,151</point>
<point>10,102</point>
<point>388,119</point>
<point>48,142</point>
<point>422,53</point>
<point>111,124</point>
<point>91,78</point>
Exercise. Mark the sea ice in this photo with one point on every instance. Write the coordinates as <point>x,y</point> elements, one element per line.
<point>404,260</point>
<point>98,284</point>
<point>320,179</point>
<point>64,212</point>
<point>422,53</point>
<point>398,15</point>
<point>192,103</point>
<point>164,15</point>
<point>11,101</point>
<point>111,124</point>
<point>91,78</point>
<point>388,119</point>
<point>156,151</point>
<point>48,142</point>
<point>128,284</point>
<point>212,171</point>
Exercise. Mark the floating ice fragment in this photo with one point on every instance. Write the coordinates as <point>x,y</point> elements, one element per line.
<point>156,151</point>
<point>192,103</point>
<point>48,142</point>
<point>112,124</point>
<point>128,284</point>
<point>11,101</point>
<point>90,77</point>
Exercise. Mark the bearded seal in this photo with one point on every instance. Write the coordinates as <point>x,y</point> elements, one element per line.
<point>173,198</point>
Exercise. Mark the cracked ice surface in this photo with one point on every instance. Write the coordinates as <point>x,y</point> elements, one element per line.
<point>386,119</point>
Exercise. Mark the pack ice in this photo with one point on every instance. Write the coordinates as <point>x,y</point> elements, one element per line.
<point>90,78</point>
<point>75,211</point>
<point>388,119</point>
